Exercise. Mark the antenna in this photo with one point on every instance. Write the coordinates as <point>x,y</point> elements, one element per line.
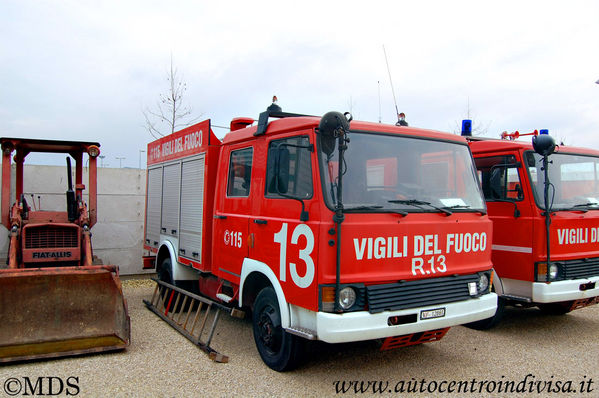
<point>468,107</point>
<point>390,81</point>
<point>379,84</point>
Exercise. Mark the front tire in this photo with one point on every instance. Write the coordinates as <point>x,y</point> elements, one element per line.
<point>278,349</point>
<point>560,308</point>
<point>486,324</point>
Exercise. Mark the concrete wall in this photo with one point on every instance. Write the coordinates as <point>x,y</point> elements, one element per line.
<point>117,237</point>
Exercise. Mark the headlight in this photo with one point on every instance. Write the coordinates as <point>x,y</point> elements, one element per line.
<point>548,275</point>
<point>553,271</point>
<point>347,298</point>
<point>351,298</point>
<point>483,283</point>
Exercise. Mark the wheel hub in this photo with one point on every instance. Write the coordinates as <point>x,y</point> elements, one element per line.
<point>269,329</point>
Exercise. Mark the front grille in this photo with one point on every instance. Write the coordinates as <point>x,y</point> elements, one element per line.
<point>580,268</point>
<point>412,294</point>
<point>49,236</point>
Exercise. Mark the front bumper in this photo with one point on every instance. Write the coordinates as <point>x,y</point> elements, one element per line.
<point>564,290</point>
<point>362,325</point>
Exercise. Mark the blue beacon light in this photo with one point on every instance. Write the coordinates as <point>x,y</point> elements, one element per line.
<point>467,127</point>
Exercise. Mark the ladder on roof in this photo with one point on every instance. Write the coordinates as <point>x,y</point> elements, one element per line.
<point>193,316</point>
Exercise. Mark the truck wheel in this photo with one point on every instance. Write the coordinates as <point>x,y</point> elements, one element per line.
<point>278,349</point>
<point>166,275</point>
<point>556,308</point>
<point>485,324</point>
<point>166,271</point>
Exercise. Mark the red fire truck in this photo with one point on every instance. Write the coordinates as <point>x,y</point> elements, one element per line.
<point>544,204</point>
<point>327,230</point>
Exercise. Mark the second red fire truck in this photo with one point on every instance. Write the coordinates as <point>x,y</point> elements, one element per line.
<point>544,203</point>
<point>326,228</point>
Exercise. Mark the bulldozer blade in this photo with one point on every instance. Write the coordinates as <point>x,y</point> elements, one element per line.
<point>55,312</point>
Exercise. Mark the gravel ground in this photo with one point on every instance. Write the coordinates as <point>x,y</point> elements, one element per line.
<point>162,363</point>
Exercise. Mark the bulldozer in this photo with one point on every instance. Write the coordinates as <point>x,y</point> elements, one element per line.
<point>56,298</point>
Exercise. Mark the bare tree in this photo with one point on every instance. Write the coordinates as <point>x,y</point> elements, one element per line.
<point>478,128</point>
<point>560,139</point>
<point>170,113</point>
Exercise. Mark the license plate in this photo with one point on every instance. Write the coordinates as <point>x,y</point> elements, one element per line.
<point>431,314</point>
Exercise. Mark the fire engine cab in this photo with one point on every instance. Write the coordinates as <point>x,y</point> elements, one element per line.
<point>326,228</point>
<point>544,204</point>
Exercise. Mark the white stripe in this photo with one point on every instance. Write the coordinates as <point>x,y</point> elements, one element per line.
<point>516,249</point>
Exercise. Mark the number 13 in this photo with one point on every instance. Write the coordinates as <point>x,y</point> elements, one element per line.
<point>304,254</point>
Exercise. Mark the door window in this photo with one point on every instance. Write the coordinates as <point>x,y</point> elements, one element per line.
<point>240,172</point>
<point>289,168</point>
<point>499,178</point>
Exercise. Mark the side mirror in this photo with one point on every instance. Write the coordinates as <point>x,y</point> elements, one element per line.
<point>332,125</point>
<point>520,192</point>
<point>282,170</point>
<point>278,170</point>
<point>543,144</point>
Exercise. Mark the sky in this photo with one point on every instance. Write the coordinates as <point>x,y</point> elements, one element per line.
<point>86,70</point>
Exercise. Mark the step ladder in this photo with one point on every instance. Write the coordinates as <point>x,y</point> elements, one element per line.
<point>190,315</point>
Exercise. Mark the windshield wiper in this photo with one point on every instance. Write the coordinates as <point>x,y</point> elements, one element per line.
<point>364,207</point>
<point>588,204</point>
<point>467,207</point>
<point>419,203</point>
<point>376,207</point>
<point>582,207</point>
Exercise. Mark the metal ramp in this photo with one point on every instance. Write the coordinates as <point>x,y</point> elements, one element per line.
<point>190,315</point>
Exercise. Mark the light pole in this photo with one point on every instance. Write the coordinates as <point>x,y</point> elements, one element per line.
<point>120,160</point>
<point>140,152</point>
<point>102,160</point>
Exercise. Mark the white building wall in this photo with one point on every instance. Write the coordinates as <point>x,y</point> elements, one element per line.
<point>117,237</point>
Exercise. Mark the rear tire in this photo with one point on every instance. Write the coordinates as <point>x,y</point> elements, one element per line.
<point>488,323</point>
<point>278,349</point>
<point>560,308</point>
<point>166,275</point>
<point>166,271</point>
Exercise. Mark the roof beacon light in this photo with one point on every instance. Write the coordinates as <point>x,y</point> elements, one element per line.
<point>467,128</point>
<point>544,131</point>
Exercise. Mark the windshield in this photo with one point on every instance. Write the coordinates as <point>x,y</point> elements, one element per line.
<point>391,173</point>
<point>574,180</point>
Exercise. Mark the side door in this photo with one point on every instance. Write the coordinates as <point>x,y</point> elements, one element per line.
<point>232,217</point>
<point>509,201</point>
<point>284,232</point>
